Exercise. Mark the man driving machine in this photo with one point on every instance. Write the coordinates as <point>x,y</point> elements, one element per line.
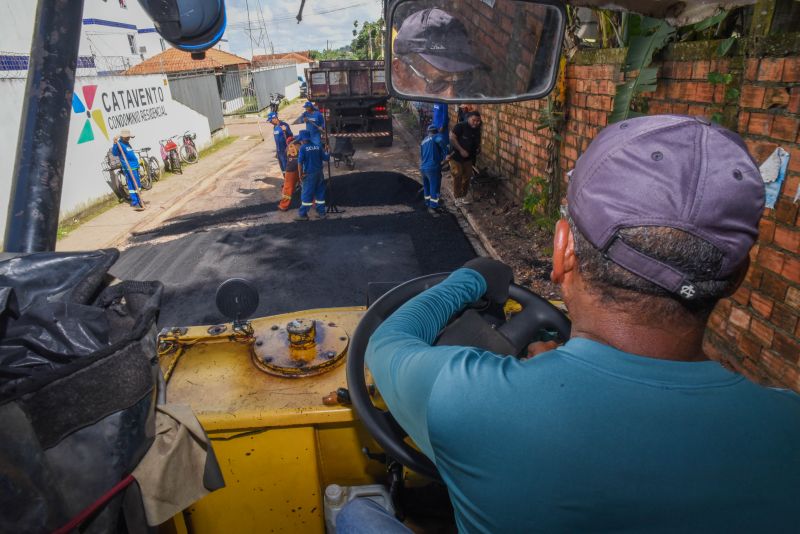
<point>628,426</point>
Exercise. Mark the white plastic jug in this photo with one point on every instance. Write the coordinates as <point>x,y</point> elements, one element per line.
<point>337,496</point>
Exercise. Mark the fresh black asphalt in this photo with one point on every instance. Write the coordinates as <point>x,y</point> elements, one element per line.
<point>296,265</point>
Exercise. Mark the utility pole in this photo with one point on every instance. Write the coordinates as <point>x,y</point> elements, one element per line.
<point>249,29</point>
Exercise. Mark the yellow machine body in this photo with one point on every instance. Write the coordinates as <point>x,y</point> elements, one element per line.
<point>278,444</point>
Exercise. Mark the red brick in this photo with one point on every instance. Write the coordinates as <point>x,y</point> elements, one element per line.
<point>751,69</point>
<point>761,304</point>
<point>752,96</point>
<point>783,317</point>
<point>791,269</point>
<point>760,150</point>
<point>742,296</point>
<point>774,286</point>
<point>701,70</point>
<point>791,69</point>
<point>760,123</point>
<point>788,238</point>
<point>762,332</point>
<point>744,118</point>
<point>791,185</point>
<point>703,92</point>
<point>683,70</point>
<point>770,259</point>
<point>754,277</point>
<point>776,98</point>
<point>773,364</point>
<point>739,318</point>
<point>770,69</point>
<point>794,100</point>
<point>786,211</point>
<point>786,347</point>
<point>793,298</point>
<point>749,345</point>
<point>785,128</point>
<point>766,231</point>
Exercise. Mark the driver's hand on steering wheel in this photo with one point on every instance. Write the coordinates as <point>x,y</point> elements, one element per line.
<point>498,277</point>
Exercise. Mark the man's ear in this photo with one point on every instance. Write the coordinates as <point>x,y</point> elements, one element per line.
<point>562,242</point>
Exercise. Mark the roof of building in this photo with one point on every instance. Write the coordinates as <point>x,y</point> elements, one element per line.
<point>284,57</point>
<point>174,60</point>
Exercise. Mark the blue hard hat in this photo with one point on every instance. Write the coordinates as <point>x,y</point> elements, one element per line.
<point>304,135</point>
<point>272,115</point>
<point>308,105</point>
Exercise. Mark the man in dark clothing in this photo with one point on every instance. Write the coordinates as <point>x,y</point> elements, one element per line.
<point>466,142</point>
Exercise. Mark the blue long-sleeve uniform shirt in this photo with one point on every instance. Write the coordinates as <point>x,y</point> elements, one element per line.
<point>130,155</point>
<point>281,132</point>
<point>432,152</point>
<point>312,118</point>
<point>586,437</point>
<point>440,117</point>
<point>311,157</point>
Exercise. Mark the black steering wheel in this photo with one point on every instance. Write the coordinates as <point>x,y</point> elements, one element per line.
<point>537,315</point>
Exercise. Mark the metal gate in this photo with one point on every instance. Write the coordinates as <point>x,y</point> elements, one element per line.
<point>273,80</point>
<point>237,92</point>
<point>199,92</point>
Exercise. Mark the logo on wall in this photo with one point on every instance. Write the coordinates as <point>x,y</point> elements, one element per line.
<point>96,116</point>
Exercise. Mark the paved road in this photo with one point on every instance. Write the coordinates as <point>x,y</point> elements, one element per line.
<point>230,227</point>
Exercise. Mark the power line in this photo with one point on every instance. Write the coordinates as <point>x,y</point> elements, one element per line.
<point>242,25</point>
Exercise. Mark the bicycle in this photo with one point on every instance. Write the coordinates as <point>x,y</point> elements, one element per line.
<point>150,169</point>
<point>189,150</point>
<point>169,154</point>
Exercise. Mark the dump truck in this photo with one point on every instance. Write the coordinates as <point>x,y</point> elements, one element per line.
<point>353,96</point>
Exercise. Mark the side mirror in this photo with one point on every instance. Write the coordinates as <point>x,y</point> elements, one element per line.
<point>188,25</point>
<point>474,50</point>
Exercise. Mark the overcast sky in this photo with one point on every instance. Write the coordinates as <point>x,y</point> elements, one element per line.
<point>323,21</point>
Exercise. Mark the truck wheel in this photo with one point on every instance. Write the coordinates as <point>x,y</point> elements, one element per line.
<point>384,141</point>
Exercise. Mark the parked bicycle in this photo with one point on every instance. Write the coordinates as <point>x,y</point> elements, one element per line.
<point>148,165</point>
<point>189,150</point>
<point>170,156</point>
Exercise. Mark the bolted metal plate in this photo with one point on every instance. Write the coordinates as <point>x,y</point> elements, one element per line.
<point>274,351</point>
<point>237,299</point>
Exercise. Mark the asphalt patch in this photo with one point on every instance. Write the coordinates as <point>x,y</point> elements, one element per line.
<point>300,265</point>
<point>358,189</point>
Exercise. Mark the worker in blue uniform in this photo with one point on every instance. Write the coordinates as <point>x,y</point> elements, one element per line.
<point>441,120</point>
<point>431,154</point>
<point>629,426</point>
<point>314,121</point>
<point>310,160</point>
<point>130,166</point>
<point>281,132</point>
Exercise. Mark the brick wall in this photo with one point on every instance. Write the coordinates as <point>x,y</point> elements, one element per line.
<point>757,331</point>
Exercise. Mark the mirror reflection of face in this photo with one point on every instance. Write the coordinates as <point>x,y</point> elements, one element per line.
<point>417,76</point>
<point>507,48</point>
<point>474,121</point>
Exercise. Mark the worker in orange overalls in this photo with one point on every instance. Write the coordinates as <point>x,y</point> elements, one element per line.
<point>291,176</point>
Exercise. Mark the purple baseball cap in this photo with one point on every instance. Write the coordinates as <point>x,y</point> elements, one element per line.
<point>439,38</point>
<point>673,171</point>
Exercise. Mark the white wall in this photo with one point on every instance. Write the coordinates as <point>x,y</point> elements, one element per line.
<point>97,38</point>
<point>151,119</point>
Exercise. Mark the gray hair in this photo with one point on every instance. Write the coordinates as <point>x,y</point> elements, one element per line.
<point>698,258</point>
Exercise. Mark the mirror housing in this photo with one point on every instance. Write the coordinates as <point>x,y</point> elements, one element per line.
<point>189,25</point>
<point>488,51</point>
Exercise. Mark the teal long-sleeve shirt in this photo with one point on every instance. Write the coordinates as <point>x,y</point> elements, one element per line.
<point>586,437</point>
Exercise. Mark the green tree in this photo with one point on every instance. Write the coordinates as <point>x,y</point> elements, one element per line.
<point>368,41</point>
